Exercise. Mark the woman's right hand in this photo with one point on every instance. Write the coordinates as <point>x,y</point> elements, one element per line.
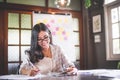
<point>31,71</point>
<point>34,71</point>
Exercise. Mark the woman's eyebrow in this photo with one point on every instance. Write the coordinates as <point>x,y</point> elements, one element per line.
<point>43,36</point>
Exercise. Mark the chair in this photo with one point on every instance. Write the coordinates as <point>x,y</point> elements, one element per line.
<point>18,67</point>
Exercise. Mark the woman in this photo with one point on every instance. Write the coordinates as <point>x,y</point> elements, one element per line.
<point>43,56</point>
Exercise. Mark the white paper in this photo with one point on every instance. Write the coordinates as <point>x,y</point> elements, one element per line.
<point>97,39</point>
<point>102,72</point>
<point>20,77</point>
<point>111,73</point>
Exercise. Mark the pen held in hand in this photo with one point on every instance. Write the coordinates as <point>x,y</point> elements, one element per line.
<point>30,63</point>
<point>34,69</point>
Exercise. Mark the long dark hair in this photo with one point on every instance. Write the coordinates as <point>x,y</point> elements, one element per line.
<point>35,52</point>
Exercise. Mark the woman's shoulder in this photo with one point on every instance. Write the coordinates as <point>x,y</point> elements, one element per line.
<point>56,50</point>
<point>54,46</point>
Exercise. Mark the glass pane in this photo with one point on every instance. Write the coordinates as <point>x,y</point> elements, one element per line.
<point>75,24</point>
<point>26,21</point>
<point>77,52</point>
<point>23,48</point>
<point>76,38</point>
<point>28,2</point>
<point>25,36</point>
<point>13,53</point>
<point>108,1</point>
<point>75,5</point>
<point>51,3</point>
<point>13,36</point>
<point>119,13</point>
<point>116,46</point>
<point>12,68</point>
<point>114,15</point>
<point>13,20</point>
<point>115,31</point>
<point>1,0</point>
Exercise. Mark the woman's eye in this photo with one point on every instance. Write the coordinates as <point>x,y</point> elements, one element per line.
<point>46,37</point>
<point>39,39</point>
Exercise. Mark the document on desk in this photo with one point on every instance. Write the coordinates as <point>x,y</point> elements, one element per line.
<point>102,72</point>
<point>20,77</point>
<point>92,71</point>
<point>111,73</point>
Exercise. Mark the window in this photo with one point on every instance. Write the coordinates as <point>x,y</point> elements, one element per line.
<point>19,35</point>
<point>109,1</point>
<point>77,38</point>
<point>112,27</point>
<point>28,2</point>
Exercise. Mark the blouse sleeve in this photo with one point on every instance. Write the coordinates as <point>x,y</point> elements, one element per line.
<point>64,60</point>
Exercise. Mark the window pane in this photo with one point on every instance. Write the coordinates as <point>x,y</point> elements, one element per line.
<point>13,53</point>
<point>12,68</point>
<point>13,20</point>
<point>26,21</point>
<point>1,0</point>
<point>25,36</point>
<point>119,13</point>
<point>28,2</point>
<point>108,1</point>
<point>76,38</point>
<point>114,15</point>
<point>23,48</point>
<point>13,36</point>
<point>115,31</point>
<point>116,46</point>
<point>77,52</point>
<point>75,24</point>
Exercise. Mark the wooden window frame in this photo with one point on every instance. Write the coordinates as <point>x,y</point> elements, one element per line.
<point>108,31</point>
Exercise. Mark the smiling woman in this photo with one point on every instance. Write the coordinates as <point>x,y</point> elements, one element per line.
<point>17,18</point>
<point>51,57</point>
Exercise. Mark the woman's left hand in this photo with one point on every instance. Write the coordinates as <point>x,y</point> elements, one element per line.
<point>72,71</point>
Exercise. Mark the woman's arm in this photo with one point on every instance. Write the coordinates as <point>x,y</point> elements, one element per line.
<point>67,65</point>
<point>27,68</point>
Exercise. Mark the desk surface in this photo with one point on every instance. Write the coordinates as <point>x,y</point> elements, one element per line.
<point>79,76</point>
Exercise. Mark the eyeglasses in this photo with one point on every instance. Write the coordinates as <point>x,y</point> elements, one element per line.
<point>46,38</point>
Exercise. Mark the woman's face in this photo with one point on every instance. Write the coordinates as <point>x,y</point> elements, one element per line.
<point>43,39</point>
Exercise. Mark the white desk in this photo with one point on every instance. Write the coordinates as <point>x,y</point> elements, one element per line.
<point>96,74</point>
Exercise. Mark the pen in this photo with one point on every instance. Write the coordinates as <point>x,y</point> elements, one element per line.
<point>34,69</point>
<point>31,64</point>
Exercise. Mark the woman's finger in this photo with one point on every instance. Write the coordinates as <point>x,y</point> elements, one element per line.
<point>72,72</point>
<point>34,72</point>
